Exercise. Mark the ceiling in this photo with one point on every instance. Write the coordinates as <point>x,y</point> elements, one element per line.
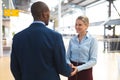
<point>66,7</point>
<point>72,6</point>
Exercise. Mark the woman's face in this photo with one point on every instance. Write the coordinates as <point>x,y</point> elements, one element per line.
<point>80,26</point>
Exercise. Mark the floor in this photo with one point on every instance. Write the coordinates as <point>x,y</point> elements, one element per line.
<point>107,67</point>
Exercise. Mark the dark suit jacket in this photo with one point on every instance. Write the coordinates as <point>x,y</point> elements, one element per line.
<point>38,53</point>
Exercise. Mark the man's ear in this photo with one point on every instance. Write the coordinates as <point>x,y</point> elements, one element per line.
<point>45,15</point>
<point>42,16</point>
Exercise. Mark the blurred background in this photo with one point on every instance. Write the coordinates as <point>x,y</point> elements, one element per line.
<point>104,17</point>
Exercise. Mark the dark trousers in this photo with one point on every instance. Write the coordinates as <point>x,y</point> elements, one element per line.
<point>82,75</point>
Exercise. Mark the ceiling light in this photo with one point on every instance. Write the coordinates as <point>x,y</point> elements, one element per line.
<point>65,1</point>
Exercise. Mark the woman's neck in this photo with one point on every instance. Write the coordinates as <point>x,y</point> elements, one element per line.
<point>81,35</point>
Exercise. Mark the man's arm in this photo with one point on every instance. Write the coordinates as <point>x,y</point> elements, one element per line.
<point>59,56</point>
<point>14,66</point>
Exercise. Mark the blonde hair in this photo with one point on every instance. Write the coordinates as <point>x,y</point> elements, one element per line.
<point>84,19</point>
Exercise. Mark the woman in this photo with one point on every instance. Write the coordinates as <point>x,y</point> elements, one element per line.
<point>82,51</point>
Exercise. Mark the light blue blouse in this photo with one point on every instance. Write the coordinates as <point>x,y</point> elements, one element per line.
<point>83,51</point>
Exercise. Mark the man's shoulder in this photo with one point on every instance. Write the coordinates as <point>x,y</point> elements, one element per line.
<point>54,32</point>
<point>20,33</point>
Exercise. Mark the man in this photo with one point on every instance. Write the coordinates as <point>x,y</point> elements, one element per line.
<point>38,53</point>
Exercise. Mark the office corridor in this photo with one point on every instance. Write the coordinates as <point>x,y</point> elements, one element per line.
<point>107,67</point>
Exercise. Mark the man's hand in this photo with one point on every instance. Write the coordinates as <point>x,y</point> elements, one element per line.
<point>75,70</point>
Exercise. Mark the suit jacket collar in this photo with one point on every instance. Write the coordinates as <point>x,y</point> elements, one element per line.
<point>39,22</point>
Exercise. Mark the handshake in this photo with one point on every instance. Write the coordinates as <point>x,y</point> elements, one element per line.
<point>74,69</point>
